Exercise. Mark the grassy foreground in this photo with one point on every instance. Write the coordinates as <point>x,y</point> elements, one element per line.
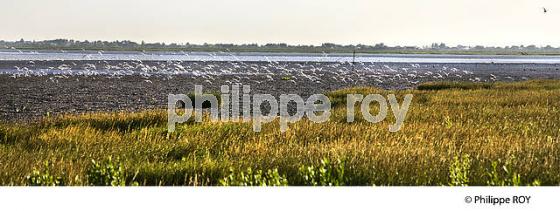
<point>454,134</point>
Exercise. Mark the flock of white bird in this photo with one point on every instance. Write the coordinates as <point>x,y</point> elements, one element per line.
<point>256,72</point>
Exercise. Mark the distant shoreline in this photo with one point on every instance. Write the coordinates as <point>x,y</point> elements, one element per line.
<point>327,47</point>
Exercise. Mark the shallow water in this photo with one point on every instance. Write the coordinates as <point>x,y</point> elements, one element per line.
<point>274,57</point>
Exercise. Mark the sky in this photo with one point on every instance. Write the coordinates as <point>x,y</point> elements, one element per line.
<point>393,22</point>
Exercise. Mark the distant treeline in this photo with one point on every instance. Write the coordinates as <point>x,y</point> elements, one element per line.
<point>125,45</point>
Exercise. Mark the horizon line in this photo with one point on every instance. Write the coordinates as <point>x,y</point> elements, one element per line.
<point>278,43</point>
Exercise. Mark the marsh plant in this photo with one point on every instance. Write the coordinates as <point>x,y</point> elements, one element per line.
<point>505,175</point>
<point>44,177</point>
<point>252,177</point>
<point>497,174</point>
<point>326,173</point>
<point>495,124</point>
<point>459,171</point>
<point>108,172</point>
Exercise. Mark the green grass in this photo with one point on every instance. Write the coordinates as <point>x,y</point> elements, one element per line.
<point>458,134</point>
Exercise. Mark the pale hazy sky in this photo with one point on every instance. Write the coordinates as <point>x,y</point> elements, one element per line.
<point>394,22</point>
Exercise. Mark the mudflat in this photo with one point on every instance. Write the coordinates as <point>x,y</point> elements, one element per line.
<point>33,89</point>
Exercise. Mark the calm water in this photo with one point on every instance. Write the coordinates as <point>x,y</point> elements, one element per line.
<point>296,57</point>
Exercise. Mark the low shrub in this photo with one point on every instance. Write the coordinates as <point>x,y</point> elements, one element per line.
<point>459,171</point>
<point>205,104</point>
<point>254,178</point>
<point>326,174</point>
<point>106,173</point>
<point>45,177</point>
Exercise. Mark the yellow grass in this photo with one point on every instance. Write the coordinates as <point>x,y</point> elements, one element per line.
<point>516,126</point>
